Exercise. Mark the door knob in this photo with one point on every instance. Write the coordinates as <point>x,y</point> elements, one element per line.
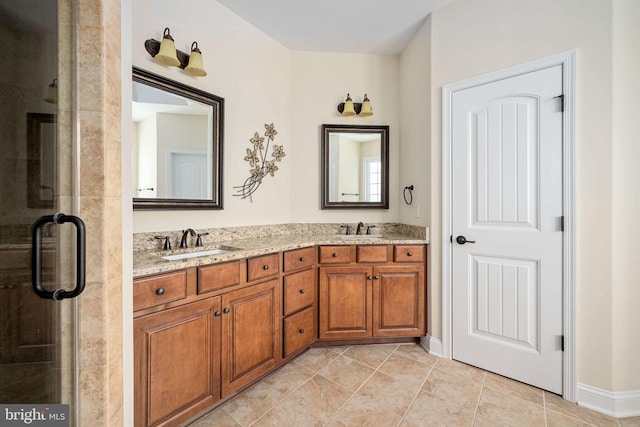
<point>462,240</point>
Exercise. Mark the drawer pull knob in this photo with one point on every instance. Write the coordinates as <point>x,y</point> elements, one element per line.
<point>301,259</point>
<point>160,291</point>
<point>409,253</point>
<point>301,331</point>
<point>302,291</point>
<point>335,255</point>
<point>217,313</point>
<point>226,310</point>
<point>266,267</point>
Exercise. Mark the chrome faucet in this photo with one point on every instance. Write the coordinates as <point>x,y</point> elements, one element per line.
<point>185,234</point>
<point>360,225</point>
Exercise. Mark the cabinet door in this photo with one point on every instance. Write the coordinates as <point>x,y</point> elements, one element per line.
<point>251,342</point>
<point>177,365</point>
<point>345,302</point>
<point>399,301</point>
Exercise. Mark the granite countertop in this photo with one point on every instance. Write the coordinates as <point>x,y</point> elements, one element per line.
<point>147,262</point>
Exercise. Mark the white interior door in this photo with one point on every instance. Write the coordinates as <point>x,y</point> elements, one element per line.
<point>507,203</point>
<point>188,177</point>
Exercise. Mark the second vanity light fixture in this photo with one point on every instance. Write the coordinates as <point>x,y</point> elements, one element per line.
<point>350,108</point>
<point>166,54</point>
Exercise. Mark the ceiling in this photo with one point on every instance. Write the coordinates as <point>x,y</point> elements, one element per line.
<point>352,26</point>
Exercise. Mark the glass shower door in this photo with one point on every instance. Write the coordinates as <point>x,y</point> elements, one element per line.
<point>37,335</point>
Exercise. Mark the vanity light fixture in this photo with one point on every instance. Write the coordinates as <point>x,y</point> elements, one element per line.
<point>350,108</point>
<point>165,53</point>
<point>51,93</point>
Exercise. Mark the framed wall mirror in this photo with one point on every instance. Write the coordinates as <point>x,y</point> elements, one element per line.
<point>176,145</point>
<point>355,167</point>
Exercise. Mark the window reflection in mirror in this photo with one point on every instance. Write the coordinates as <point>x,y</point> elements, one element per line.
<point>355,166</point>
<point>176,145</point>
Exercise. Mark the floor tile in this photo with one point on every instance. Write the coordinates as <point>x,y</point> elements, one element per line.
<point>432,410</point>
<point>395,385</point>
<point>630,422</point>
<point>318,357</point>
<point>370,355</point>
<point>504,409</point>
<point>555,403</point>
<point>515,388</point>
<point>218,418</point>
<point>313,404</point>
<point>347,372</point>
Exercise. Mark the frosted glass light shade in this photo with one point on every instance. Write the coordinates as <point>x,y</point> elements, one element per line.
<point>167,54</point>
<point>51,94</point>
<point>196,66</point>
<point>348,107</point>
<point>366,110</point>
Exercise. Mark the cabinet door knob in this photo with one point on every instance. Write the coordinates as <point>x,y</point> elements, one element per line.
<point>376,277</point>
<point>301,331</point>
<point>217,313</point>
<point>302,291</point>
<point>301,258</point>
<point>160,291</point>
<point>266,267</point>
<point>335,255</point>
<point>409,253</point>
<point>369,277</point>
<point>226,310</point>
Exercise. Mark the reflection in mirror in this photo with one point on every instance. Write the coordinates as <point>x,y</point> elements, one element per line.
<point>176,145</point>
<point>355,166</point>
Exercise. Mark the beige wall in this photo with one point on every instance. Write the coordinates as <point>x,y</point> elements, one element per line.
<point>626,197</point>
<point>263,82</point>
<point>252,73</point>
<point>319,82</point>
<point>472,37</point>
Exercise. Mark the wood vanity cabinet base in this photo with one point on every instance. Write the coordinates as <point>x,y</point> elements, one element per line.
<point>177,363</point>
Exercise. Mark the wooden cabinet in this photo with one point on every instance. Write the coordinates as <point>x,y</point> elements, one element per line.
<point>203,333</point>
<point>177,363</point>
<point>399,301</point>
<point>250,334</point>
<point>373,298</point>
<point>299,293</point>
<point>345,302</point>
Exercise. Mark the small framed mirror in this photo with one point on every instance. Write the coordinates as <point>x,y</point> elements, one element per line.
<point>176,145</point>
<point>355,167</point>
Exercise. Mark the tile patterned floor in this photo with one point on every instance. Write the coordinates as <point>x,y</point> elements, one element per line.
<point>395,385</point>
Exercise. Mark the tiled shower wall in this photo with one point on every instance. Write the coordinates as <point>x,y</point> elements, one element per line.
<point>99,204</point>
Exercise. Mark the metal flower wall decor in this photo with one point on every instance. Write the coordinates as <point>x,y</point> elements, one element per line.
<point>257,158</point>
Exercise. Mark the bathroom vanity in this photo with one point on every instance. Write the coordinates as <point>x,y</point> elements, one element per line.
<point>205,327</point>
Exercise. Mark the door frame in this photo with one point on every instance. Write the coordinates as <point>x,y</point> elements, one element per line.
<point>568,62</point>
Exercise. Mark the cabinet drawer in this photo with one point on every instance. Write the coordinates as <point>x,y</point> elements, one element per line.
<point>298,331</point>
<point>218,276</point>
<point>161,289</point>
<point>408,253</point>
<point>335,254</point>
<point>299,291</point>
<point>372,253</point>
<point>299,258</point>
<point>263,266</point>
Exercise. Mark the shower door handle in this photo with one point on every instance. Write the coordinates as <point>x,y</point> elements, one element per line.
<point>36,256</point>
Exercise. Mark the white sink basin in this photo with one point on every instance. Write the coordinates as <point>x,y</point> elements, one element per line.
<point>186,255</point>
<point>360,237</point>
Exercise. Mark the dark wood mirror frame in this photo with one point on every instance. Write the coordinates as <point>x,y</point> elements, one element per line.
<point>327,130</point>
<point>217,105</point>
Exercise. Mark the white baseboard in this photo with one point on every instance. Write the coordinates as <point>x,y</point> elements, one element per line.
<point>432,345</point>
<point>616,404</point>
